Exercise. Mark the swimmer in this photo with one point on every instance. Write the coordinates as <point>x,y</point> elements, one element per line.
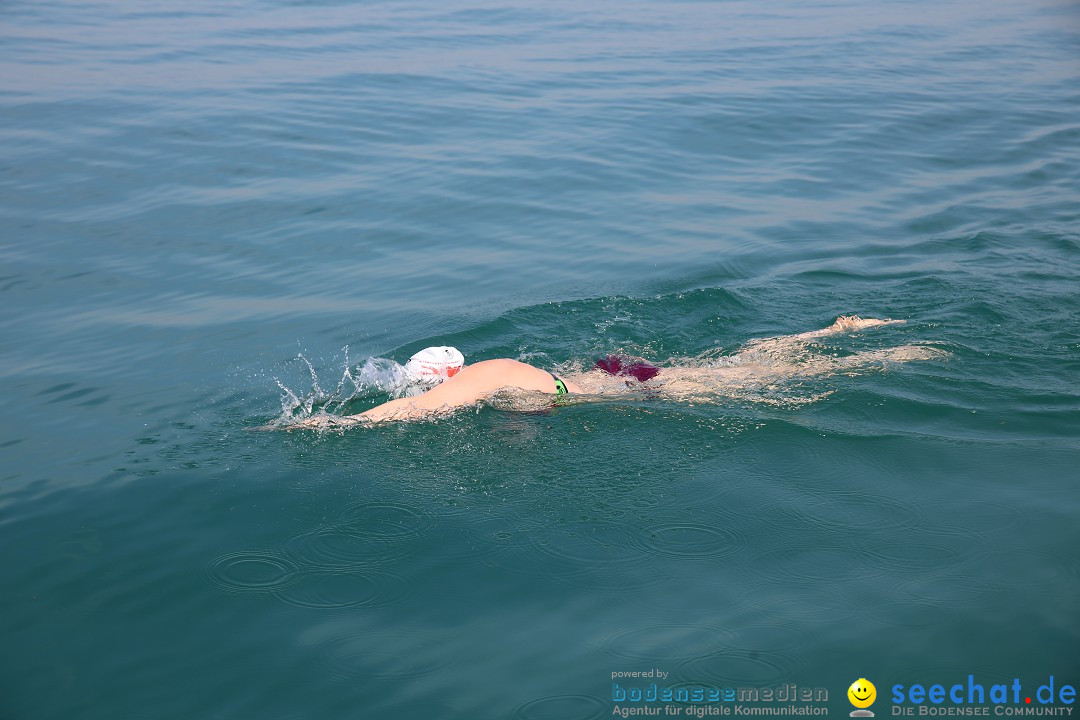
<point>760,361</point>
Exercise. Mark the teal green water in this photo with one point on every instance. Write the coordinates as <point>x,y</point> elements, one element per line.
<point>199,200</point>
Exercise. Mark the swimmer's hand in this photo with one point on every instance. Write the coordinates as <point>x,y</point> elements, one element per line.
<point>387,412</point>
<point>322,422</point>
<point>318,422</point>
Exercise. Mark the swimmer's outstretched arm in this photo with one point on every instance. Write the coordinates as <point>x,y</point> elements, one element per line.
<point>408,408</point>
<point>471,385</point>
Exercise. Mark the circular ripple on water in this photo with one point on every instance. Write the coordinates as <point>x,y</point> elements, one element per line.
<point>677,595</point>
<point>598,557</point>
<point>589,545</point>
<point>691,540</point>
<point>340,548</point>
<point>774,637</point>
<point>666,643</point>
<point>908,614</point>
<point>509,546</point>
<point>384,521</point>
<point>955,592</point>
<point>857,510</point>
<point>920,558</point>
<point>612,581</point>
<point>252,571</point>
<point>740,667</point>
<point>819,564</point>
<point>769,508</point>
<point>562,707</point>
<point>385,655</point>
<point>970,516</point>
<point>820,603</point>
<point>496,533</point>
<point>1027,566</point>
<point>338,590</point>
<point>1021,574</point>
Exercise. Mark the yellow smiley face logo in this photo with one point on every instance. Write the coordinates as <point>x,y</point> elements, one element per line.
<point>862,693</point>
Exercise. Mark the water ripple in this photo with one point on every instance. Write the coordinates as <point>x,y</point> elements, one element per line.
<point>500,534</point>
<point>253,571</point>
<point>740,667</point>
<point>573,706</point>
<point>666,642</point>
<point>831,565</point>
<point>818,603</point>
<point>600,557</point>
<point>596,544</point>
<point>952,591</point>
<point>338,590</point>
<point>341,547</point>
<point>384,521</point>
<point>971,516</point>
<point>692,540</point>
<point>363,534</point>
<point>908,614</point>
<point>385,655</point>
<point>858,510</point>
<point>776,637</point>
<point>918,558</point>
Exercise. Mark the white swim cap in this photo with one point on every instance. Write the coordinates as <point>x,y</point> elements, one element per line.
<point>434,364</point>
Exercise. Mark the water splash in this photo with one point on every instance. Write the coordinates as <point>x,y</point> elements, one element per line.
<point>374,376</point>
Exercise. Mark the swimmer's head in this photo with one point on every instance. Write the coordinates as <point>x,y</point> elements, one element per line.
<point>434,364</point>
<point>622,366</point>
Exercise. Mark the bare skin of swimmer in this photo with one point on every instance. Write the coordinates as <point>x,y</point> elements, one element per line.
<point>473,383</point>
<point>478,381</point>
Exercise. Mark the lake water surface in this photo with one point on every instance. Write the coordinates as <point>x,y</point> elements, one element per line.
<point>209,208</point>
